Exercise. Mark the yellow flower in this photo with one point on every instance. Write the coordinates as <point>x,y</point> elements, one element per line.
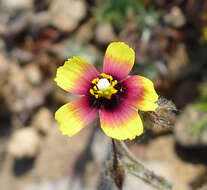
<point>112,93</point>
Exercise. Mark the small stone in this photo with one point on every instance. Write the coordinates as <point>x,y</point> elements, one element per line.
<point>161,157</point>
<point>69,48</point>
<point>17,79</point>
<point>4,64</point>
<point>85,33</point>
<point>2,45</point>
<point>33,74</point>
<point>104,33</point>
<point>66,14</point>
<point>17,4</point>
<point>24,143</point>
<point>190,129</point>
<point>203,187</point>
<point>59,184</point>
<point>23,56</point>
<point>2,29</point>
<point>40,20</point>
<point>4,19</point>
<point>43,120</point>
<point>175,17</point>
<point>34,98</point>
<point>177,62</point>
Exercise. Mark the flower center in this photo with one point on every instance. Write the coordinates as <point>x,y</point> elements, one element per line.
<point>104,87</point>
<point>103,84</point>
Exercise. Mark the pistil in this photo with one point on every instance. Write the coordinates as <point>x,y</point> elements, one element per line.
<point>104,87</point>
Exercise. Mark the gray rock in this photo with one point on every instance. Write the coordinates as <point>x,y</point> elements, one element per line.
<point>175,17</point>
<point>24,143</point>
<point>161,158</point>
<point>177,62</point>
<point>60,184</point>
<point>85,32</point>
<point>33,73</point>
<point>17,4</point>
<point>69,48</point>
<point>203,187</point>
<point>66,14</point>
<point>191,127</point>
<point>43,120</point>
<point>104,33</point>
<point>21,55</point>
<point>4,63</point>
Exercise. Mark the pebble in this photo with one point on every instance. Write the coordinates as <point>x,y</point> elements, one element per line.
<point>104,33</point>
<point>24,143</point>
<point>33,73</point>
<point>187,129</point>
<point>43,120</point>
<point>177,62</point>
<point>4,64</point>
<point>66,14</point>
<point>175,17</point>
<point>17,4</point>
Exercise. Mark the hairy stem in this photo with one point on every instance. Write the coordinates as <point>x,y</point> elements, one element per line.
<point>117,171</point>
<point>136,168</point>
<point>115,157</point>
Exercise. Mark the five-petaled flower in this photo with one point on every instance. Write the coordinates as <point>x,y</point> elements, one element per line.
<point>112,93</point>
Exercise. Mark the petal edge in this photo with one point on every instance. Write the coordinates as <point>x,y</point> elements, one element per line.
<point>122,123</point>
<point>141,93</point>
<point>74,116</point>
<point>118,60</point>
<point>75,75</point>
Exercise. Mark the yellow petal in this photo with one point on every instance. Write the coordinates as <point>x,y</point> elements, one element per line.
<point>75,75</point>
<point>140,93</point>
<point>118,60</point>
<point>121,123</point>
<point>72,117</point>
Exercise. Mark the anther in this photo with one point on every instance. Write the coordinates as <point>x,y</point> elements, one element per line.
<point>114,82</point>
<point>94,81</point>
<point>110,78</point>
<point>91,91</point>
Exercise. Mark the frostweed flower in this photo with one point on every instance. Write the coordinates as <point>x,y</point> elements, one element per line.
<point>112,94</point>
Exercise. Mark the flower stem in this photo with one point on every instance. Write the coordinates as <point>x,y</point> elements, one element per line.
<point>117,171</point>
<point>137,169</point>
<point>115,158</point>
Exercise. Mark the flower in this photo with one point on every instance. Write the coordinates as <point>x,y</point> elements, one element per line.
<point>112,93</point>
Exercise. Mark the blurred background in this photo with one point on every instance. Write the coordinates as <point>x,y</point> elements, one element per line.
<point>36,36</point>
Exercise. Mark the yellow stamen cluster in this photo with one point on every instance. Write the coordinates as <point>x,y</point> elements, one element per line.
<point>106,93</point>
